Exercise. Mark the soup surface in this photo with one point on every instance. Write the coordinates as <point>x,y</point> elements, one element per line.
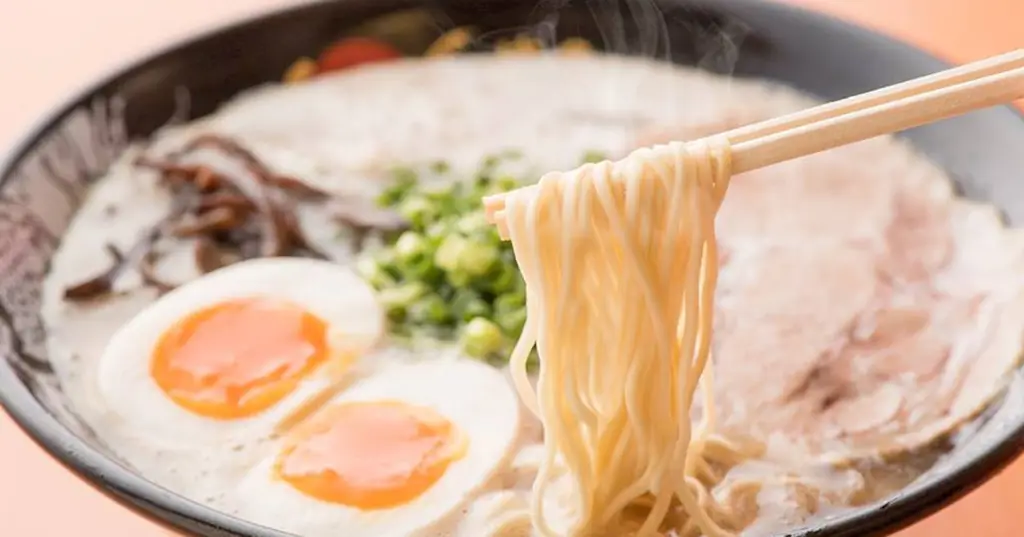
<point>863,311</point>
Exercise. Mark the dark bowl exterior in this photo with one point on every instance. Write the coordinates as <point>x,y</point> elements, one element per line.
<point>44,178</point>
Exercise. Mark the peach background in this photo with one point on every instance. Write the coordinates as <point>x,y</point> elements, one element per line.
<point>49,47</point>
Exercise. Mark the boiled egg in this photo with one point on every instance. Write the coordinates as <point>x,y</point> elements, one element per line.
<point>397,454</point>
<point>226,357</point>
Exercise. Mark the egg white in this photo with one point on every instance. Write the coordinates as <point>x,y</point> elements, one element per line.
<point>333,293</point>
<point>473,396</point>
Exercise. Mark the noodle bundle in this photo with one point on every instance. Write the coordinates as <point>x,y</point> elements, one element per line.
<point>620,265</point>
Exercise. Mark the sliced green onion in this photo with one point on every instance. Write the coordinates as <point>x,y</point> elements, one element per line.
<point>512,322</point>
<point>373,272</point>
<point>477,257</point>
<point>593,156</point>
<point>481,338</point>
<point>449,252</point>
<point>450,276</point>
<point>440,167</point>
<point>418,211</point>
<point>430,310</point>
<point>468,304</point>
<point>403,295</point>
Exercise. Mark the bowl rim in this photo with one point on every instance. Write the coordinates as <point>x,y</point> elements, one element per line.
<point>157,504</point>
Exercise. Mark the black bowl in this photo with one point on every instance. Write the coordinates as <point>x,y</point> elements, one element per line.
<point>44,177</point>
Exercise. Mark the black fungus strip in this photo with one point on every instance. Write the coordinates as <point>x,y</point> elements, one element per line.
<point>228,216</point>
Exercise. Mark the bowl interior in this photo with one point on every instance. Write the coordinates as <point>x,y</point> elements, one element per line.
<point>46,177</point>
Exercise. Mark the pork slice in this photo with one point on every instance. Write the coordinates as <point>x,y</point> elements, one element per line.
<point>823,198</point>
<point>912,366</point>
<point>986,255</point>
<point>980,315</point>
<point>979,367</point>
<point>824,349</point>
<point>919,237</point>
<point>889,373</point>
<point>780,315</point>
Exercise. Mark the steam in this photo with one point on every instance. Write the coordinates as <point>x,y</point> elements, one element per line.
<point>544,32</point>
<point>653,29</point>
<point>686,34</point>
<point>632,27</point>
<point>656,29</point>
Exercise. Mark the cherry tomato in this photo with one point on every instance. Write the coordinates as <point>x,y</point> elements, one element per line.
<point>354,51</point>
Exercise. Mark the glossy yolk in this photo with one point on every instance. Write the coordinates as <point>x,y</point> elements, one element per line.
<point>237,358</point>
<point>370,455</point>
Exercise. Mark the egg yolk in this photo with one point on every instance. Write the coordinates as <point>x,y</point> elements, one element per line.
<point>370,455</point>
<point>238,358</point>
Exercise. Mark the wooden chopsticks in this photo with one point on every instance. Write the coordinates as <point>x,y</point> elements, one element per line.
<point>899,107</point>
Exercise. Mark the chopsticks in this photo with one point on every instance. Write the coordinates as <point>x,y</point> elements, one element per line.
<point>899,107</point>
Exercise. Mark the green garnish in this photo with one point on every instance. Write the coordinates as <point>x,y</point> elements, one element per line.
<point>481,338</point>
<point>593,156</point>
<point>450,276</point>
<point>404,180</point>
<point>511,154</point>
<point>440,167</point>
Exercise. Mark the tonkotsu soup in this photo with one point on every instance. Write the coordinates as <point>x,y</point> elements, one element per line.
<point>310,320</point>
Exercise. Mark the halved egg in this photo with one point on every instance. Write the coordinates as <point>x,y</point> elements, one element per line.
<point>229,355</point>
<point>398,453</point>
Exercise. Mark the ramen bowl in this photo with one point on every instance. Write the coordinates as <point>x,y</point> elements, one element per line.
<point>44,178</point>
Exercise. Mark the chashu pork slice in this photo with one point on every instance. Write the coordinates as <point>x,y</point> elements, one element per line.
<point>853,350</point>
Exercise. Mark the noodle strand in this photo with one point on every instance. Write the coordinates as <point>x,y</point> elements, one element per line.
<point>620,263</point>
